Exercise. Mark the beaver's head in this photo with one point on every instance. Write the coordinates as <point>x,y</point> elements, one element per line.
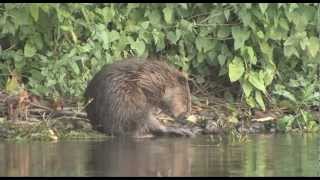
<point>177,98</point>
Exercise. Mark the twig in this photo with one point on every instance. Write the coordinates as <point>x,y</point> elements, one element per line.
<point>40,106</point>
<point>200,89</point>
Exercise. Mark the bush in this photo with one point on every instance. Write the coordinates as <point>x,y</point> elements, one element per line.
<point>269,49</point>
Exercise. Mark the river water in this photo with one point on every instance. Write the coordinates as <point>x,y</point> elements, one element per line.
<point>262,155</point>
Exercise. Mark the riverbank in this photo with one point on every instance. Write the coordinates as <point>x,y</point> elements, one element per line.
<point>25,117</point>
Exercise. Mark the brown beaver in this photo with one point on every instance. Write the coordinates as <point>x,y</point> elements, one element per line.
<point>124,94</point>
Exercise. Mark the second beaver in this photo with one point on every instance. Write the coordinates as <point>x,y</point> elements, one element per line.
<point>124,94</point>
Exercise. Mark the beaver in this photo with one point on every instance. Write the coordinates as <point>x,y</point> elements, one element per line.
<point>122,97</point>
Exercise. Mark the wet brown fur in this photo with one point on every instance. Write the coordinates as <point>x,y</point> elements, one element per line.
<point>124,94</point>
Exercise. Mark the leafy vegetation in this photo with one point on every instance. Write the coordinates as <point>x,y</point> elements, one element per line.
<point>270,50</point>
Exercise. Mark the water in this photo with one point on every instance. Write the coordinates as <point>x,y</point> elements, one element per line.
<point>263,155</point>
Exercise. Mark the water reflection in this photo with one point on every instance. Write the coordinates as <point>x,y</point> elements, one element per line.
<point>159,157</point>
<point>263,155</point>
<point>43,159</point>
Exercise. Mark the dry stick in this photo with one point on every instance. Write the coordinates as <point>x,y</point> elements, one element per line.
<point>42,111</point>
<point>60,113</point>
<point>71,118</point>
<point>40,106</point>
<point>69,113</point>
<point>199,88</point>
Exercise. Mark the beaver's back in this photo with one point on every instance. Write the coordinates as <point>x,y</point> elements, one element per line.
<point>114,91</point>
<point>124,92</point>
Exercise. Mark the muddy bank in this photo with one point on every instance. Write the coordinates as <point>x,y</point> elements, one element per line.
<point>209,115</point>
<point>216,116</point>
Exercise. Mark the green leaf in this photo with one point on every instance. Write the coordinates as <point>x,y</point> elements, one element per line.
<point>304,43</point>
<point>168,14</point>
<point>129,39</point>
<point>248,53</point>
<point>250,101</point>
<point>292,7</point>
<point>139,47</point>
<point>34,11</point>
<point>186,25</point>
<point>12,85</point>
<point>29,50</point>
<point>107,13</point>
<point>259,100</point>
<point>290,41</point>
<point>312,126</point>
<point>245,17</point>
<point>36,74</point>
<point>131,26</point>
<point>114,35</point>
<point>236,69</point>
<point>200,58</point>
<point>45,7</point>
<point>247,88</point>
<point>102,35</point>
<point>181,47</point>
<point>37,41</point>
<point>223,32</point>
<point>252,57</point>
<point>281,91</point>
<point>63,14</point>
<point>226,13</point>
<point>66,28</point>
<point>263,7</point>
<point>204,44</point>
<point>283,122</point>
<point>85,48</point>
<point>284,24</point>
<point>145,24</point>
<point>255,80</point>
<point>146,36</point>
<point>21,16</point>
<point>248,5</point>
<point>75,67</point>
<point>132,5</point>
<point>269,73</point>
<point>154,16</point>
<point>19,61</point>
<point>301,24</point>
<point>222,59</point>
<point>183,5</point>
<point>174,37</point>
<point>260,34</point>
<point>158,37</point>
<point>290,50</point>
<point>277,33</point>
<point>289,95</point>
<point>305,116</point>
<point>178,33</point>
<point>240,36</point>
<point>267,50</point>
<point>313,46</point>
